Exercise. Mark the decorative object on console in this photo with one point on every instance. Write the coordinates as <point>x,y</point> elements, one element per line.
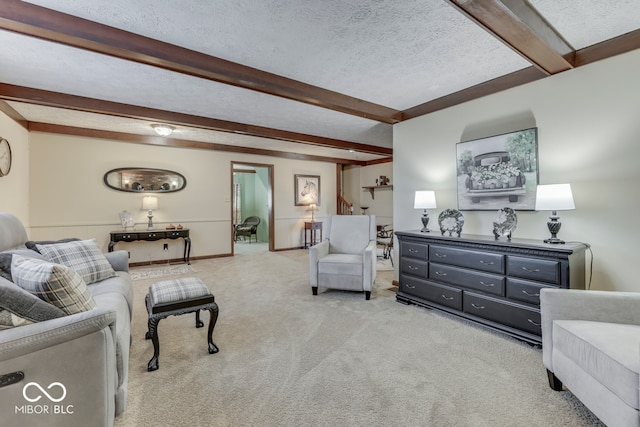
<point>126,219</point>
<point>5,157</point>
<point>554,197</point>
<point>493,170</point>
<point>150,203</point>
<point>163,130</point>
<point>506,221</point>
<point>425,200</point>
<point>171,227</point>
<point>312,207</point>
<point>451,220</point>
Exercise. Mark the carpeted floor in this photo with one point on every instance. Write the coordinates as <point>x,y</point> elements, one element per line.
<point>288,358</point>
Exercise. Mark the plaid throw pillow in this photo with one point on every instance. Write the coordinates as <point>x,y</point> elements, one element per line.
<point>82,256</point>
<point>53,283</point>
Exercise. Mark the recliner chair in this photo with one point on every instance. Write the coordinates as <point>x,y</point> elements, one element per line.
<point>591,344</point>
<point>346,259</point>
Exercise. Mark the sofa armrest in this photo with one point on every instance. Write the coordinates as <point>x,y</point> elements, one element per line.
<point>369,263</point>
<point>575,304</point>
<point>119,260</point>
<point>18,341</point>
<point>76,353</point>
<point>316,252</point>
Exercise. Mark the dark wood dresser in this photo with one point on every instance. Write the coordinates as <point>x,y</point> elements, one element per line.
<point>495,283</point>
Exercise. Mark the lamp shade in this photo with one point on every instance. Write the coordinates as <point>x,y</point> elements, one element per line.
<point>425,200</point>
<point>150,203</point>
<point>554,197</point>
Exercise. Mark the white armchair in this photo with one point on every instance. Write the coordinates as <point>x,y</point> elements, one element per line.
<point>591,343</point>
<point>346,259</point>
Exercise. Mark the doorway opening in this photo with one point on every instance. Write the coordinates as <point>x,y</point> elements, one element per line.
<point>251,207</point>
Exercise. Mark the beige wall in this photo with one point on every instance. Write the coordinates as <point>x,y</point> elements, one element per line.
<point>14,188</point>
<point>381,204</point>
<point>68,196</point>
<point>588,123</point>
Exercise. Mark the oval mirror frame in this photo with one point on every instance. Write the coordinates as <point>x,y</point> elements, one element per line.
<point>144,180</point>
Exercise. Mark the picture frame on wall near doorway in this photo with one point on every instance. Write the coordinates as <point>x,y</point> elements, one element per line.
<point>306,190</point>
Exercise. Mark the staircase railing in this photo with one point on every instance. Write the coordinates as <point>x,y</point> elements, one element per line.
<point>344,207</point>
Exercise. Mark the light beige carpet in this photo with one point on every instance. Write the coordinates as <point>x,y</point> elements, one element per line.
<point>288,358</point>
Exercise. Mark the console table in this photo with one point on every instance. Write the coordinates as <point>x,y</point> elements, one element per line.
<point>312,228</point>
<point>150,236</point>
<point>495,283</point>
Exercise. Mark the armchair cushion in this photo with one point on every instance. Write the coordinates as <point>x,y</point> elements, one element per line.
<point>346,234</point>
<point>341,264</point>
<point>609,352</point>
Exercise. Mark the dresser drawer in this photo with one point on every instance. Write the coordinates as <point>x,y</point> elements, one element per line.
<point>491,262</point>
<point>151,235</point>
<point>524,290</point>
<point>485,282</point>
<point>440,294</point>
<point>413,250</point>
<point>535,269</point>
<point>504,312</point>
<point>414,267</point>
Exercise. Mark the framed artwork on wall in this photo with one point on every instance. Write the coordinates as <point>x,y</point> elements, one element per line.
<point>306,190</point>
<point>498,171</point>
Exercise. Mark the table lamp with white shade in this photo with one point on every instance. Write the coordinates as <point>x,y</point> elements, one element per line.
<point>554,197</point>
<point>425,200</point>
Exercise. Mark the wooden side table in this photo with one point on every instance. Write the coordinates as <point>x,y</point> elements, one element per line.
<point>312,228</point>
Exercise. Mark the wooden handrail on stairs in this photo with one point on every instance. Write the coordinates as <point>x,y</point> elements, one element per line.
<point>344,207</point>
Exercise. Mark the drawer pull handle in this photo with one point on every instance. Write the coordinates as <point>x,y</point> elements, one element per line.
<point>530,270</point>
<point>412,267</point>
<point>441,255</point>
<point>439,273</point>
<point>413,251</point>
<point>409,286</point>
<point>487,262</point>
<point>489,285</point>
<point>479,307</point>
<point>533,322</point>
<point>446,297</point>
<point>530,294</point>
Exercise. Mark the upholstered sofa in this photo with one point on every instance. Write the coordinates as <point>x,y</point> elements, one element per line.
<point>59,368</point>
<point>591,345</point>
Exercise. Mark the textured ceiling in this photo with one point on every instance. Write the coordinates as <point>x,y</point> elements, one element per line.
<point>398,54</point>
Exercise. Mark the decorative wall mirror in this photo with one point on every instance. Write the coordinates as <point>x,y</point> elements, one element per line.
<point>141,180</point>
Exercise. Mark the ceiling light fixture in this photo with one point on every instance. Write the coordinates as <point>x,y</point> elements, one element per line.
<point>163,130</point>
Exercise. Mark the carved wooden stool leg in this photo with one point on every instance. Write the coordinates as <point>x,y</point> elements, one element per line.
<point>213,318</point>
<point>153,331</point>
<point>199,323</point>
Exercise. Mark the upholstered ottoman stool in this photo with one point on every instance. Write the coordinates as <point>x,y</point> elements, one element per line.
<point>173,298</point>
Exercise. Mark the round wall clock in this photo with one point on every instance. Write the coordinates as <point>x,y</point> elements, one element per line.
<point>5,157</point>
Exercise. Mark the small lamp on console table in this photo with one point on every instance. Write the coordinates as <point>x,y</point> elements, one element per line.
<point>554,197</point>
<point>312,207</point>
<point>150,203</point>
<point>425,200</point>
